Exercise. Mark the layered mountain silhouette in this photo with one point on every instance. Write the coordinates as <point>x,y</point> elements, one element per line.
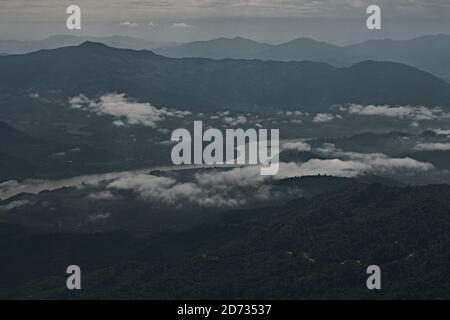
<point>301,49</point>
<point>221,48</point>
<point>205,84</point>
<point>429,53</point>
<point>318,245</point>
<point>57,41</point>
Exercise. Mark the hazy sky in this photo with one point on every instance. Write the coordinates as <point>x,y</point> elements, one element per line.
<point>338,21</point>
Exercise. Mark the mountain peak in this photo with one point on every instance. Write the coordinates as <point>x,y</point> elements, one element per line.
<point>303,39</point>
<point>239,38</point>
<point>308,41</point>
<point>230,40</point>
<point>92,44</point>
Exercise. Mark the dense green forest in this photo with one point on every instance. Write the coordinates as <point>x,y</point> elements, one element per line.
<point>307,249</point>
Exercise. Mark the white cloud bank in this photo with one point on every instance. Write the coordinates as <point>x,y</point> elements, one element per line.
<point>442,132</point>
<point>238,186</point>
<point>400,112</point>
<point>15,204</point>
<point>432,147</point>
<point>102,195</point>
<point>129,24</point>
<point>325,117</point>
<point>374,163</point>
<point>182,25</point>
<point>124,110</point>
<point>295,145</point>
<point>221,189</point>
<point>231,188</point>
<point>235,121</point>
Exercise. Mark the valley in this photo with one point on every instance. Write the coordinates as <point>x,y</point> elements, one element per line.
<point>86,176</point>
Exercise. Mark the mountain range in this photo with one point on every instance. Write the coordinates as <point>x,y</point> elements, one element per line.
<point>57,41</point>
<point>205,84</point>
<point>430,53</point>
<point>301,49</point>
<point>83,184</point>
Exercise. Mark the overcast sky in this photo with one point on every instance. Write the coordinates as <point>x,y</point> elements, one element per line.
<point>337,21</point>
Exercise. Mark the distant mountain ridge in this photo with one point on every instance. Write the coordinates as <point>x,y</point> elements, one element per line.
<point>309,49</point>
<point>199,84</point>
<point>57,41</point>
<point>221,48</point>
<point>430,53</point>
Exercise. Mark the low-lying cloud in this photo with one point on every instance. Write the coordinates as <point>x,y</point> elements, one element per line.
<point>129,24</point>
<point>100,196</point>
<point>375,163</point>
<point>124,110</point>
<point>14,205</point>
<point>295,145</point>
<point>240,186</point>
<point>400,112</point>
<point>220,189</point>
<point>324,117</point>
<point>235,121</point>
<point>182,25</point>
<point>228,188</point>
<point>442,132</point>
<point>432,146</point>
